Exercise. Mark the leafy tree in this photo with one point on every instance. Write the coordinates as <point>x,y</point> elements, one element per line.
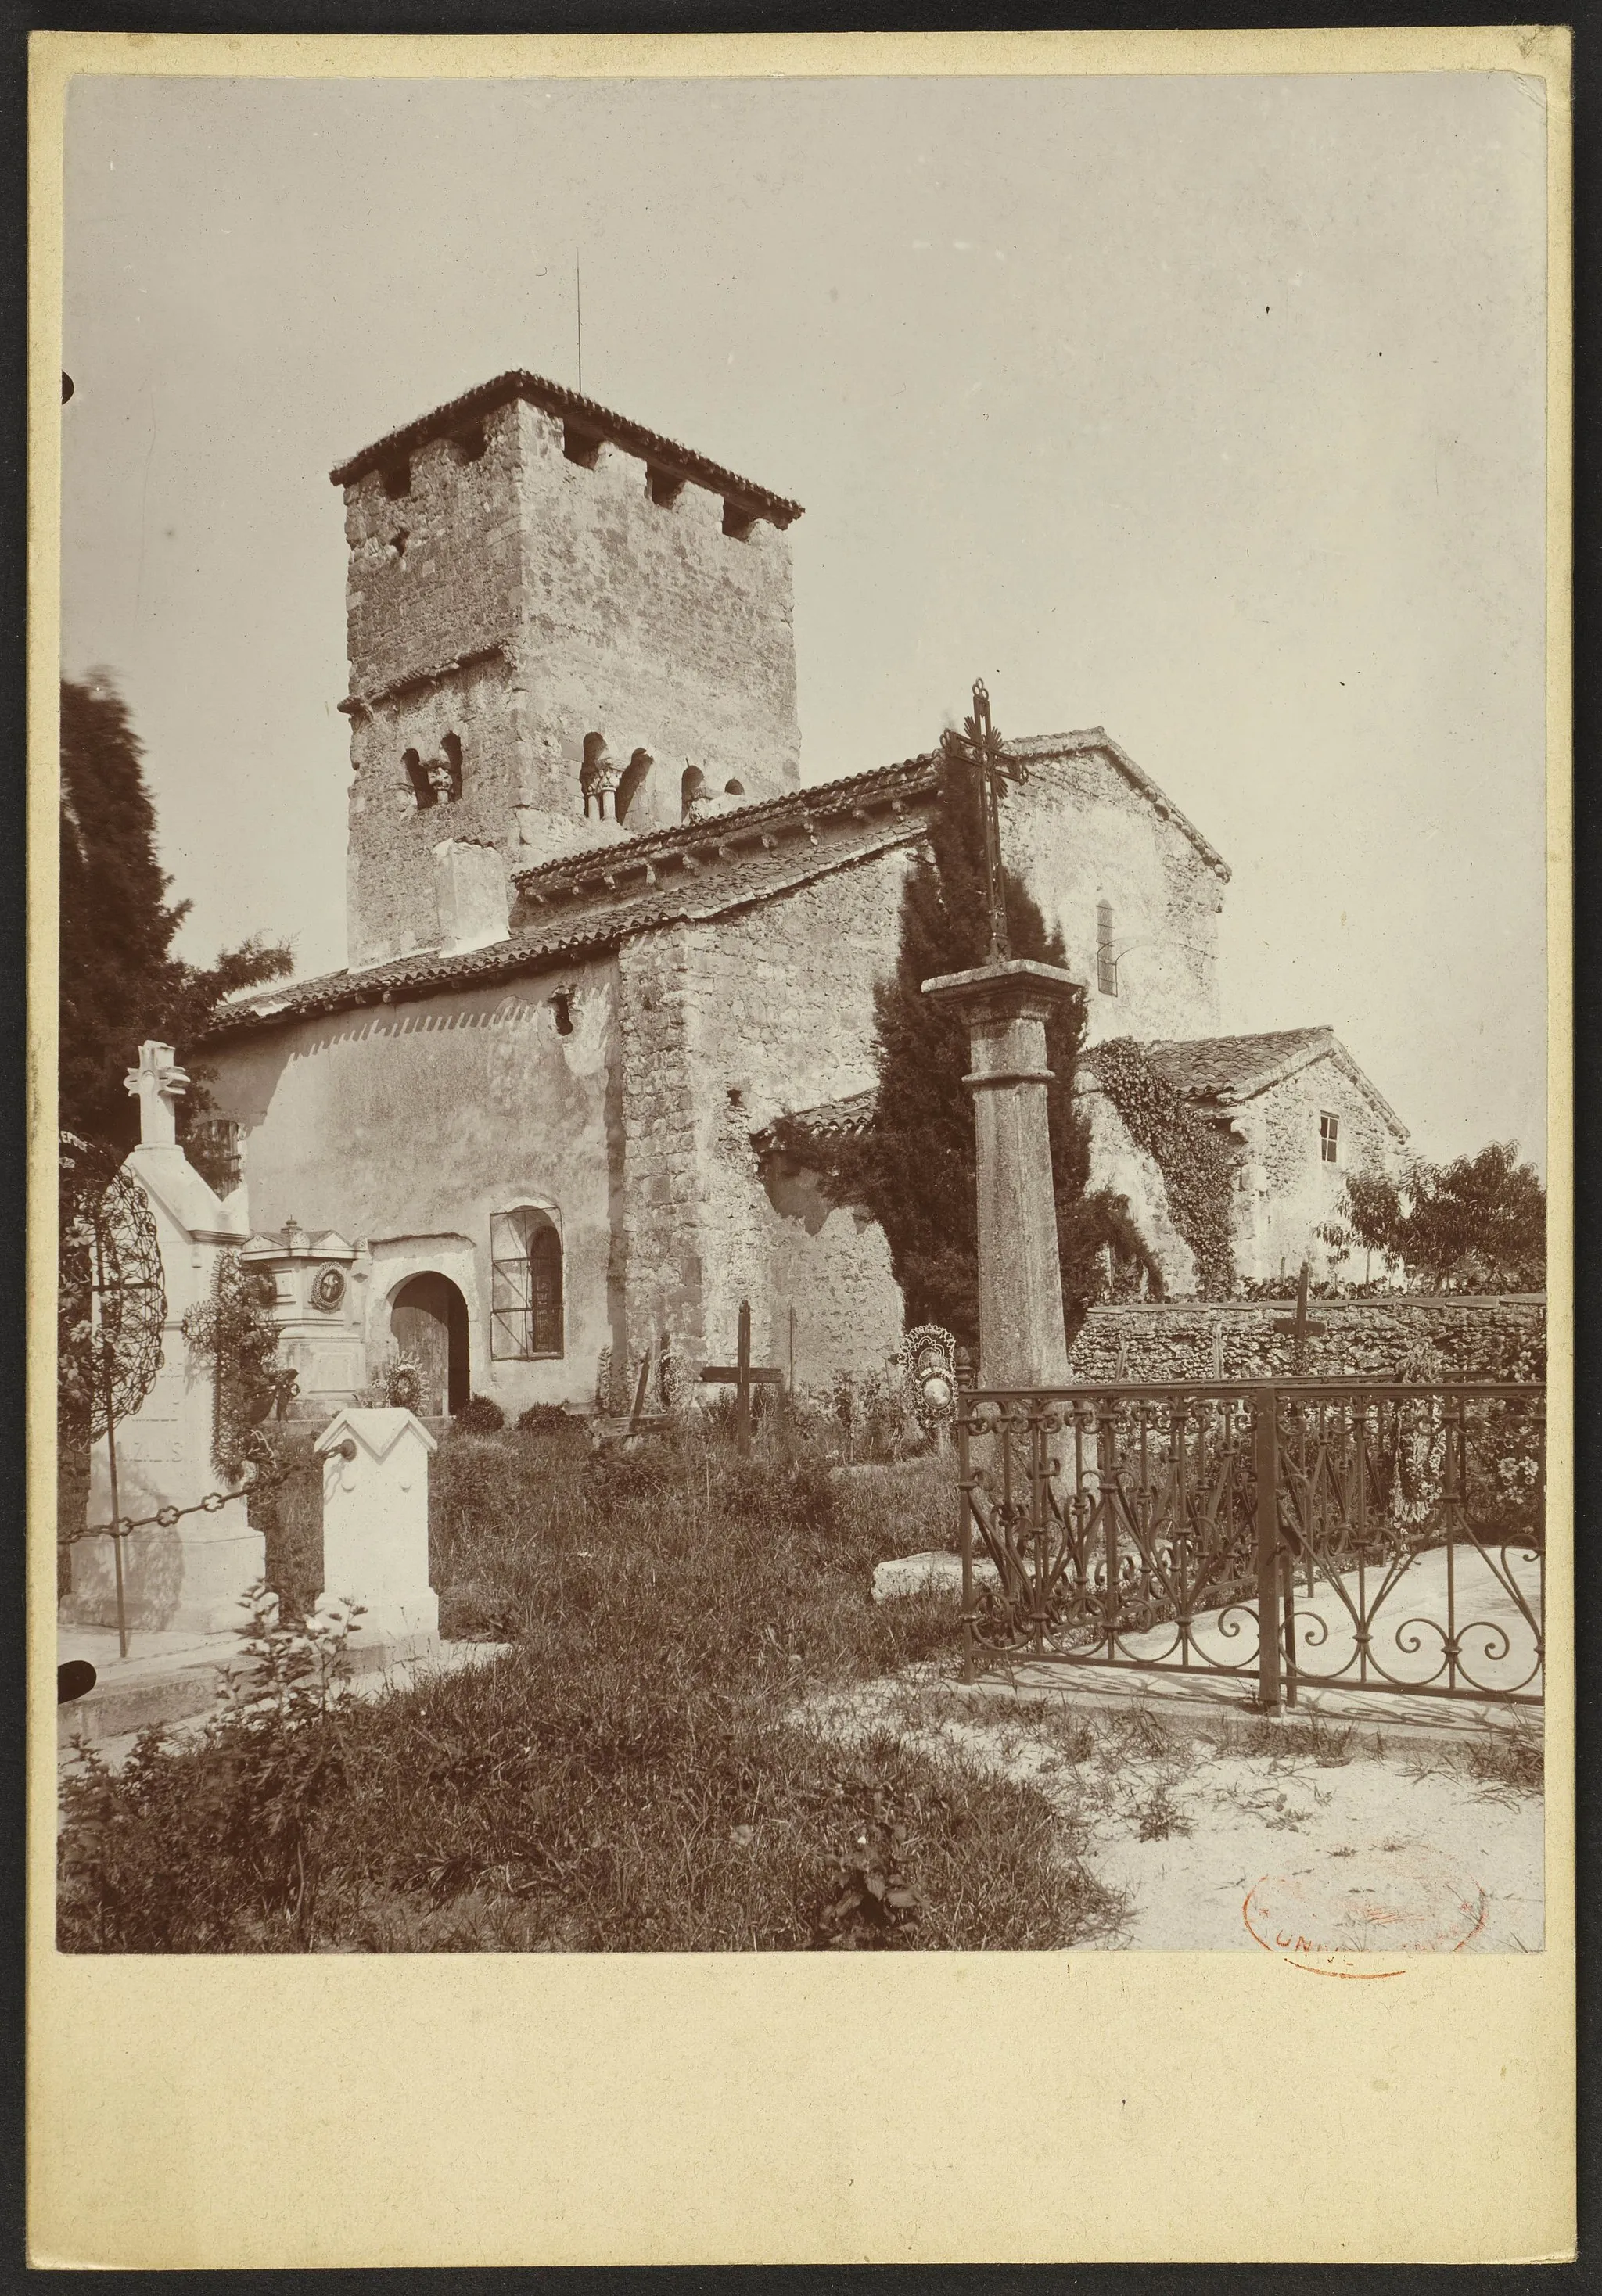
<point>119,979</point>
<point>1478,1224</point>
<point>913,1165</point>
<point>1369,1221</point>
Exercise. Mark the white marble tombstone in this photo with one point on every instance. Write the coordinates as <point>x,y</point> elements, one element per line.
<point>375,1529</point>
<point>191,1576</point>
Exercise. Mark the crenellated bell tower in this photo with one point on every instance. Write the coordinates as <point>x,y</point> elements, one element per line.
<point>562,630</point>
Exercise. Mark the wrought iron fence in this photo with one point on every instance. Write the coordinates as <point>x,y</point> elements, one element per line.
<point>1297,1532</point>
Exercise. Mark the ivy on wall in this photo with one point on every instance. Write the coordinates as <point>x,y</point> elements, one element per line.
<point>236,1328</point>
<point>1197,1168</point>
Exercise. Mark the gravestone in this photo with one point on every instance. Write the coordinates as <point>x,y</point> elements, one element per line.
<point>376,1466</point>
<point>190,1577</point>
<point>318,1308</point>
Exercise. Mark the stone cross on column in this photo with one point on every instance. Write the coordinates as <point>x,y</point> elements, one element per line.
<point>159,1083</point>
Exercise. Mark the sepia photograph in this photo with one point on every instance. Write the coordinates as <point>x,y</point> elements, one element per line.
<point>804,1211</point>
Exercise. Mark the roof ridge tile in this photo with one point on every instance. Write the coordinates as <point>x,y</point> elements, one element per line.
<point>557,398</point>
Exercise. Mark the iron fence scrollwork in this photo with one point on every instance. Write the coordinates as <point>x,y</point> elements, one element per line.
<point>1289,1533</point>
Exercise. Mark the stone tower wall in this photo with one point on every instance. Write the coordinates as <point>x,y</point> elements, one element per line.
<point>508,600</point>
<point>645,621</point>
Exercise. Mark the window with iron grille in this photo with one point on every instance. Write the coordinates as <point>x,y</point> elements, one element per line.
<point>1329,1138</point>
<point>525,1285</point>
<point>1106,964</point>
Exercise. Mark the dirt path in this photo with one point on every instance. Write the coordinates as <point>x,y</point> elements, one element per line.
<point>1241,1835</point>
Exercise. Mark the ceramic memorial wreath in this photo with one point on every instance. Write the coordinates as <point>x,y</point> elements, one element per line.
<point>329,1289</point>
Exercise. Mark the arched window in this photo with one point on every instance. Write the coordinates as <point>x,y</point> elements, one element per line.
<point>525,1285</point>
<point>436,780</point>
<point>733,789</point>
<point>691,788</point>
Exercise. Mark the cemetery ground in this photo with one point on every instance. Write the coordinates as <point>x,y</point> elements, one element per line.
<point>693,1729</point>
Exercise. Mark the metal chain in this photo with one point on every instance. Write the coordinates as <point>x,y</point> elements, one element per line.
<point>165,1517</point>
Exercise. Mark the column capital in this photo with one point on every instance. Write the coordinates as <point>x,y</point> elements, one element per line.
<point>1016,988</point>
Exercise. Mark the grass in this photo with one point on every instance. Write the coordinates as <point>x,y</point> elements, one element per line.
<point>631,1774</point>
<point>1329,1746</point>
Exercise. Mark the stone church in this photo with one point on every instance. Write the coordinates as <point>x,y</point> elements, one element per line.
<point>602,935</point>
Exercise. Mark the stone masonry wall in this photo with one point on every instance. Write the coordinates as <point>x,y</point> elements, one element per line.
<point>390,905</point>
<point>659,1252</point>
<point>1081,834</point>
<point>784,1019</point>
<point>435,572</point>
<point>724,1026</point>
<point>519,601</point>
<point>831,1263</point>
<point>1479,1338</point>
<point>1289,1192</point>
<point>646,622</point>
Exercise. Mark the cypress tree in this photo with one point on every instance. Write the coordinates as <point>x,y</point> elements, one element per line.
<point>913,1165</point>
<point>119,979</point>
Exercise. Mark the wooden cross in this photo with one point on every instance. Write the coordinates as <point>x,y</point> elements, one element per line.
<point>741,1376</point>
<point>1301,1326</point>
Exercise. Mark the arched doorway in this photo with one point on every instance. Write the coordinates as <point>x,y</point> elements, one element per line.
<point>428,1320</point>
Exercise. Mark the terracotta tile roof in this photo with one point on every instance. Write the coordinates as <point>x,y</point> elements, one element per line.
<point>1236,1068</point>
<point>589,928</point>
<point>427,973</point>
<point>827,1121</point>
<point>583,902</point>
<point>913,777</point>
<point>556,398</point>
<point>1226,1070</point>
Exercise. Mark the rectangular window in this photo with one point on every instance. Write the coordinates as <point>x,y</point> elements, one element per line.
<point>525,1285</point>
<point>1107,963</point>
<point>1329,1138</point>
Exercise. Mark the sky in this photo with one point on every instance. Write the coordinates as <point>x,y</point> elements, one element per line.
<point>1211,411</point>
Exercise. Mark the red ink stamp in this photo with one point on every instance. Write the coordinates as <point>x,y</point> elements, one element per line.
<point>1360,1918</point>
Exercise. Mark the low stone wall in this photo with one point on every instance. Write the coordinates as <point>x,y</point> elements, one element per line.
<point>1489,1337</point>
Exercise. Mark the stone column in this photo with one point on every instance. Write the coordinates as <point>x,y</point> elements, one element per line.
<point>1006,1006</point>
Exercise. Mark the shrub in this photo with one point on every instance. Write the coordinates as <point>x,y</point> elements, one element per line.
<point>286,1504</point>
<point>216,1845</point>
<point>480,1415</point>
<point>545,1419</point>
